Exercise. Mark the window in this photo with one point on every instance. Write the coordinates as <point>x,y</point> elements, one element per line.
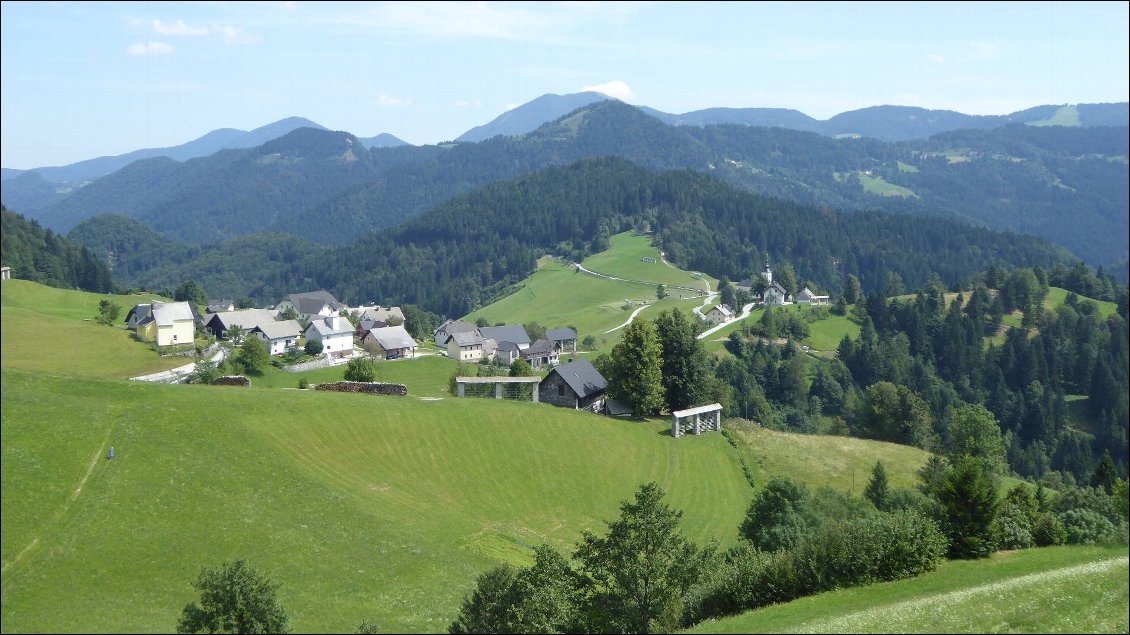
<point>560,390</point>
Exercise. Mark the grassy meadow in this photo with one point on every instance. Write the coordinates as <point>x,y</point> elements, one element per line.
<point>1048,590</point>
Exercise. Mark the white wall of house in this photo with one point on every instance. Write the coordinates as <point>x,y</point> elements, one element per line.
<point>279,345</point>
<point>472,353</point>
<point>336,343</point>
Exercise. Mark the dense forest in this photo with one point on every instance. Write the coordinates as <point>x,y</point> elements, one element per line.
<point>1068,185</point>
<point>465,252</point>
<point>919,359</point>
<point>40,255</point>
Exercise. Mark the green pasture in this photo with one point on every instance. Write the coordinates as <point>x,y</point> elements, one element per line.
<point>878,185</point>
<point>54,331</point>
<point>1048,590</point>
<point>625,259</point>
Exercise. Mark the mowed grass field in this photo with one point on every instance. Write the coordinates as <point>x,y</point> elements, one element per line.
<point>53,330</point>
<point>1049,590</point>
<point>558,295</point>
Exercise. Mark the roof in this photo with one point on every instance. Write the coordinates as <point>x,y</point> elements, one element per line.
<point>166,313</point>
<point>556,335</point>
<point>467,339</point>
<point>617,408</point>
<point>379,313</point>
<point>777,286</point>
<point>246,318</point>
<point>332,325</point>
<point>392,337</point>
<point>723,309</point>
<point>215,306</point>
<point>279,330</point>
<point>314,301</point>
<point>507,346</point>
<point>508,333</point>
<point>582,377</point>
<point>454,326</point>
<point>368,325</point>
<point>141,310</point>
<point>539,347</point>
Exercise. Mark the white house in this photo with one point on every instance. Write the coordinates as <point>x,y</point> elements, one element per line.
<point>718,314</point>
<point>166,323</point>
<point>541,354</point>
<point>334,332</point>
<point>279,336</point>
<point>465,346</point>
<point>806,296</point>
<point>378,313</point>
<point>390,341</point>
<point>451,327</point>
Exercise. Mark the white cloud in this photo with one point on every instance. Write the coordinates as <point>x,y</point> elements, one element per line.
<point>150,48</point>
<point>935,58</point>
<point>234,34</point>
<point>385,100</point>
<point>179,29</point>
<point>615,88</point>
<point>511,106</point>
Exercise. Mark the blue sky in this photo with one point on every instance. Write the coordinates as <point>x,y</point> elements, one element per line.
<point>81,80</point>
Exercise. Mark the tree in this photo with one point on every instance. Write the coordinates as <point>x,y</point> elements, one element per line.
<point>361,369</point>
<point>660,292</point>
<point>896,413</point>
<point>189,291</point>
<point>639,570</point>
<point>108,312</point>
<point>853,291</point>
<point>204,372</point>
<point>521,368</point>
<point>877,489</point>
<point>235,333</point>
<point>725,292</point>
<point>777,517</point>
<point>313,347</point>
<point>481,322</point>
<point>932,475</point>
<point>538,599</point>
<point>787,278</point>
<point>487,609</point>
<point>894,285</point>
<point>289,313</point>
<point>637,369</point>
<point>1105,476</point>
<point>686,375</point>
<point>975,432</point>
<point>969,502</point>
<point>234,599</point>
<point>253,355</point>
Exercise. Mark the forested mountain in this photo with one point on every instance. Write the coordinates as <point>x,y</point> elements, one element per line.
<point>463,252</point>
<point>531,115</point>
<point>383,140</point>
<point>41,256</point>
<point>1068,185</point>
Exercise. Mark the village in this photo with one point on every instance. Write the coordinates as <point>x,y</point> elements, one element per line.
<point>318,330</point>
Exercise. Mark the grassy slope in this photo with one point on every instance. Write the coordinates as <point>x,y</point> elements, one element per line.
<point>53,330</point>
<point>360,505</point>
<point>1051,590</point>
<point>557,295</point>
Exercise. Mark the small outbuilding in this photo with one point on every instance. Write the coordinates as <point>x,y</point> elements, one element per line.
<point>577,384</point>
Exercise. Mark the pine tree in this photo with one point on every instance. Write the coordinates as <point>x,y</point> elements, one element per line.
<point>686,377</point>
<point>969,500</point>
<point>878,489</point>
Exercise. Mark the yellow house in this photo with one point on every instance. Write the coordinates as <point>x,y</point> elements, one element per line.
<point>166,323</point>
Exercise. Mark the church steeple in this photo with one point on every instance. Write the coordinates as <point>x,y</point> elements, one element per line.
<point>768,272</point>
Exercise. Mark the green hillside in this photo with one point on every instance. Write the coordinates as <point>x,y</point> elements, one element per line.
<point>559,295</point>
<point>1050,590</point>
<point>360,506</point>
<point>53,330</point>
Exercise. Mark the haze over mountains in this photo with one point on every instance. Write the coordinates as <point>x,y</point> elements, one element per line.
<point>1062,176</point>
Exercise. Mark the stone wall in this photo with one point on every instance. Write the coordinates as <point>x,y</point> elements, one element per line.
<point>231,380</point>
<point>372,388</point>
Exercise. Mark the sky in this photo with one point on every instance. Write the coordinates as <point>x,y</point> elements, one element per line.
<point>82,80</point>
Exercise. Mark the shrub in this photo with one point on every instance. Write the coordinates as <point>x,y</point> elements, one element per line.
<point>1048,530</point>
<point>1086,527</point>
<point>361,369</point>
<point>303,383</point>
<point>313,347</point>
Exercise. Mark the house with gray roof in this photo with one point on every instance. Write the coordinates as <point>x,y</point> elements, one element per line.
<point>166,323</point>
<point>378,313</point>
<point>219,324</point>
<point>465,346</point>
<point>508,333</point>
<point>218,306</point>
<point>334,332</point>
<point>390,342</point>
<point>279,336</point>
<point>541,354</point>
<point>311,304</point>
<point>451,327</point>
<point>565,340</point>
<point>577,384</point>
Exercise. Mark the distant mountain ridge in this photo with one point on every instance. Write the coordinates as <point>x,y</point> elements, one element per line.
<point>210,143</point>
<point>886,123</point>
